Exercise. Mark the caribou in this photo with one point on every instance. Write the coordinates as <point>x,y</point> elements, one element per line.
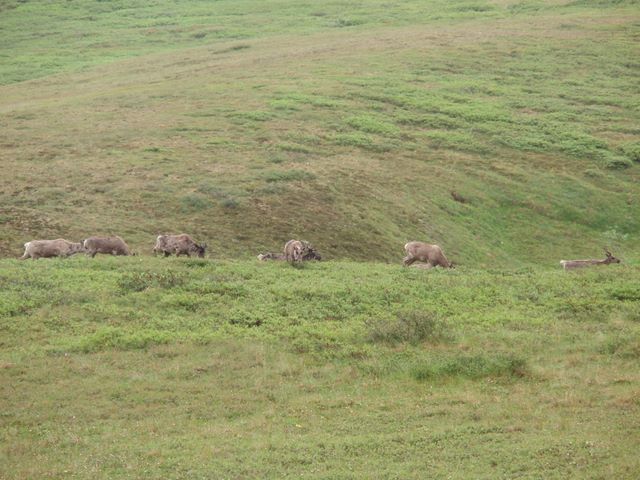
<point>430,255</point>
<point>106,245</point>
<point>50,248</point>
<point>296,251</point>
<point>181,244</point>
<point>573,264</point>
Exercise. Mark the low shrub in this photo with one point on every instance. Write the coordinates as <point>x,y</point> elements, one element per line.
<point>230,203</point>
<point>194,202</point>
<point>471,366</point>
<point>371,124</point>
<point>346,22</point>
<point>353,140</point>
<point>613,161</point>
<point>409,327</point>
<point>623,346</point>
<point>139,281</point>
<point>114,338</point>
<point>632,151</point>
<point>288,176</point>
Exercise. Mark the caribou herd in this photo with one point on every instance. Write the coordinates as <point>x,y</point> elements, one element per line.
<point>418,254</point>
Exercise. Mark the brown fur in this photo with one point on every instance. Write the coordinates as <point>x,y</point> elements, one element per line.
<point>50,248</point>
<point>293,251</point>
<point>573,264</point>
<point>457,197</point>
<point>432,255</point>
<point>107,245</point>
<point>181,244</point>
<point>297,251</point>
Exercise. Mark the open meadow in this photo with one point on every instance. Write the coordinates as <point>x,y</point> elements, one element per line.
<point>505,131</point>
<point>174,368</point>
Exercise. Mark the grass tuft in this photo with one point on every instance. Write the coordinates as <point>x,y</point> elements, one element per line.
<point>112,338</point>
<point>471,366</point>
<point>288,176</point>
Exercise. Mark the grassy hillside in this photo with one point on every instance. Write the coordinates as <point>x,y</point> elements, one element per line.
<point>352,125</point>
<point>154,368</point>
<point>247,123</point>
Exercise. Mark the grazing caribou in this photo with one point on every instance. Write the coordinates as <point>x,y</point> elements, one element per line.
<point>181,244</point>
<point>296,251</point>
<point>107,245</point>
<point>573,264</point>
<point>50,248</point>
<point>431,255</point>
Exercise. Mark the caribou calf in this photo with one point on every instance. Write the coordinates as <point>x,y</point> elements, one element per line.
<point>573,264</point>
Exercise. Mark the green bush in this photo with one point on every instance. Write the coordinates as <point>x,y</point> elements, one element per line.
<point>115,338</point>
<point>194,202</point>
<point>632,151</point>
<point>230,203</point>
<point>353,140</point>
<point>293,147</point>
<point>369,124</point>
<point>623,346</point>
<point>346,22</point>
<point>471,366</point>
<point>139,281</point>
<point>616,162</point>
<point>409,327</point>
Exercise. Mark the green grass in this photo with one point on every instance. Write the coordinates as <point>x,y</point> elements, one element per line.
<point>182,368</point>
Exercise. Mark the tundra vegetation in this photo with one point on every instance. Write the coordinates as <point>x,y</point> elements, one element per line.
<point>350,124</point>
<point>129,367</point>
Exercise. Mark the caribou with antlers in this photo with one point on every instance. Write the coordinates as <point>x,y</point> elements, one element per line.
<point>571,264</point>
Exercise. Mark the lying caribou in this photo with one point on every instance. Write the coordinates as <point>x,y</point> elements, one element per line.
<point>50,248</point>
<point>272,256</point>
<point>311,255</point>
<point>572,264</point>
<point>431,255</point>
<point>296,251</point>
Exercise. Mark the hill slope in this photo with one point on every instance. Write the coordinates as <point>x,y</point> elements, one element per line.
<point>248,123</point>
